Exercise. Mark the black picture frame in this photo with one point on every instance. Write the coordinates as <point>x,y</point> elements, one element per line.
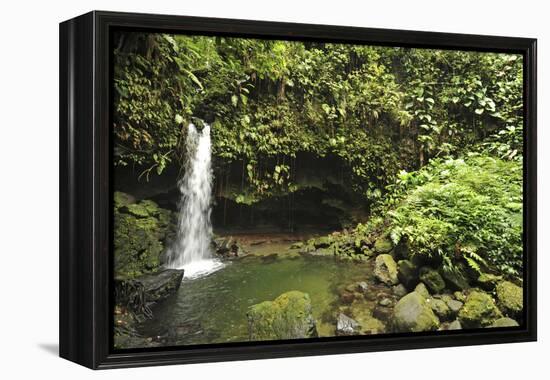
<point>86,192</point>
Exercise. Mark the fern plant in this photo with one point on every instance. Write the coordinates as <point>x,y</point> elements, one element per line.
<point>464,210</point>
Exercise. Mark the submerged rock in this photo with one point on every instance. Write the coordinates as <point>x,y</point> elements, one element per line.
<point>385,269</point>
<point>432,279</point>
<point>413,313</point>
<point>362,286</point>
<point>289,316</point>
<point>510,298</point>
<point>382,313</point>
<point>385,302</point>
<point>505,322</point>
<point>346,325</point>
<point>479,310</point>
<point>369,323</point>
<point>321,252</point>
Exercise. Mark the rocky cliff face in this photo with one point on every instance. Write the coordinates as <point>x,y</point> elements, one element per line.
<point>141,230</point>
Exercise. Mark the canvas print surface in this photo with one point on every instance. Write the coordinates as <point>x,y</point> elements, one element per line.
<point>271,190</point>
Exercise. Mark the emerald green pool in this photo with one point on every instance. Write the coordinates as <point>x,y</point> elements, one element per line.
<point>212,309</point>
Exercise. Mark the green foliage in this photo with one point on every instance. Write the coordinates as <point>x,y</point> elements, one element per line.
<point>377,109</point>
<point>457,209</point>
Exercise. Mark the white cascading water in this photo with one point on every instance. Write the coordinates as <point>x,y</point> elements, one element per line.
<point>191,250</point>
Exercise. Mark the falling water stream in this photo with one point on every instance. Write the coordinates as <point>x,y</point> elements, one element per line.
<point>191,250</point>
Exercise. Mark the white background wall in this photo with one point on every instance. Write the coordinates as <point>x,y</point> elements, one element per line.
<point>29,187</point>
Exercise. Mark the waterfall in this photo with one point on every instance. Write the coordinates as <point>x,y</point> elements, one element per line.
<point>191,250</point>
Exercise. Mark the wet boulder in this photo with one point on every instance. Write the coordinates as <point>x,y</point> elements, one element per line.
<point>159,286</point>
<point>385,269</point>
<point>479,310</point>
<point>509,298</point>
<point>227,247</point>
<point>289,316</point>
<point>138,294</point>
<point>413,313</point>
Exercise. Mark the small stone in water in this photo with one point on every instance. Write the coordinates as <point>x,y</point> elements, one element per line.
<point>385,302</point>
<point>399,290</point>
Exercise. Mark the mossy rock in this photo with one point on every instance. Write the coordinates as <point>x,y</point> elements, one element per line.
<point>460,296</point>
<point>289,316</point>
<point>487,281</point>
<point>139,240</point>
<point>510,298</point>
<point>385,269</point>
<point>383,245</point>
<point>456,280</point>
<point>407,273</point>
<point>505,322</point>
<point>422,290</point>
<point>432,279</point>
<point>441,309</point>
<point>122,199</point>
<point>322,242</point>
<point>308,247</point>
<point>413,313</point>
<point>479,310</point>
<point>137,210</point>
